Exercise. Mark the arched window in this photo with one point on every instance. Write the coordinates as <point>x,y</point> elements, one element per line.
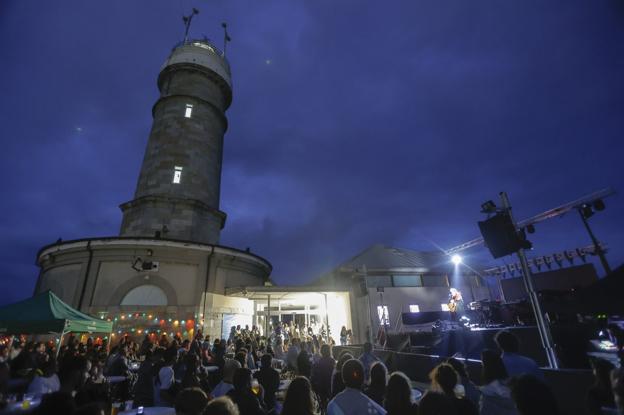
<point>145,295</point>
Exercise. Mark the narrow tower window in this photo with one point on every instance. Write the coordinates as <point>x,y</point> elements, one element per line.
<point>177,174</point>
<point>189,110</point>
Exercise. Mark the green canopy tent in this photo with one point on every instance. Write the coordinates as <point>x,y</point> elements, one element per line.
<point>45,313</point>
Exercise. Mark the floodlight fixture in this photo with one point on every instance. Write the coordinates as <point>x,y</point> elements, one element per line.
<point>456,259</point>
<point>488,207</point>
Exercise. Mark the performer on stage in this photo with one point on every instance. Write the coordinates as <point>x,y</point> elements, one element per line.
<point>456,304</point>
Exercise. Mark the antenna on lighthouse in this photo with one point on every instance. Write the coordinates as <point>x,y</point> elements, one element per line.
<point>187,23</point>
<point>226,37</point>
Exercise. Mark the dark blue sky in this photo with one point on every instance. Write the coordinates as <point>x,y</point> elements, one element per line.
<point>353,122</point>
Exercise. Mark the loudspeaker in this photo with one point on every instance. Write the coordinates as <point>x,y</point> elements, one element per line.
<point>500,235</point>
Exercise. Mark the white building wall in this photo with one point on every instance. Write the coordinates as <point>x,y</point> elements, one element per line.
<point>113,274</point>
<point>339,313</point>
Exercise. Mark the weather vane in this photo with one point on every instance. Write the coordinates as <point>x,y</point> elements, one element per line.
<point>226,37</point>
<point>187,23</point>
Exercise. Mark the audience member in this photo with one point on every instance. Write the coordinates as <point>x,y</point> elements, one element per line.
<point>221,406</point>
<point>617,385</point>
<point>191,401</point>
<point>495,394</point>
<point>73,374</point>
<point>367,358</point>
<point>24,362</point>
<point>444,379</point>
<point>119,366</point>
<point>532,396</point>
<point>600,394</point>
<point>351,401</point>
<point>299,398</point>
<point>293,354</point>
<point>223,387</point>
<point>165,381</point>
<point>515,363</point>
<point>337,382</point>
<point>144,385</point>
<point>398,400</point>
<point>46,379</point>
<point>321,378</point>
<point>436,403</point>
<point>304,366</point>
<point>378,382</point>
<point>241,357</point>
<point>269,379</point>
<point>191,378</point>
<point>247,401</point>
<point>470,390</point>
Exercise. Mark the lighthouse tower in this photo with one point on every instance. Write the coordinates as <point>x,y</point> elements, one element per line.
<point>177,195</point>
<point>166,272</point>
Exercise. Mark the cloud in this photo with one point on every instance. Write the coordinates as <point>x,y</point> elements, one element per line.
<point>385,123</point>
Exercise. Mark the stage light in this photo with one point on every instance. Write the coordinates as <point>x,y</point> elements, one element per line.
<point>488,207</point>
<point>586,211</point>
<point>456,259</point>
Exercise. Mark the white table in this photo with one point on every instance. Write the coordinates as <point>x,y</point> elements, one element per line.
<point>151,410</point>
<point>18,407</point>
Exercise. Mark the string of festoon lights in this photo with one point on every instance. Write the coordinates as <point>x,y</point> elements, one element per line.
<point>151,324</point>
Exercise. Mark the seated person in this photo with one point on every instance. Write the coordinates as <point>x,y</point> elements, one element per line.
<point>352,401</point>
<point>191,401</point>
<point>46,379</point>
<point>269,379</point>
<point>444,379</point>
<point>226,385</point>
<point>368,358</point>
<point>436,403</point>
<point>398,399</point>
<point>600,394</point>
<point>515,363</point>
<point>242,395</point>
<point>532,396</point>
<point>379,379</point>
<point>221,406</point>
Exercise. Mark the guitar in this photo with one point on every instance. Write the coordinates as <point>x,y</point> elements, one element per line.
<point>452,305</point>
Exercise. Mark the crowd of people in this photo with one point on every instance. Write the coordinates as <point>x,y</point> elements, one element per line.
<point>250,374</point>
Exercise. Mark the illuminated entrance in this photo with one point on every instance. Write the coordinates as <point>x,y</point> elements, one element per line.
<point>298,305</point>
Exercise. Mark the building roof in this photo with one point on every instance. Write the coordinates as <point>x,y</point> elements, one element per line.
<point>379,260</point>
<point>380,257</point>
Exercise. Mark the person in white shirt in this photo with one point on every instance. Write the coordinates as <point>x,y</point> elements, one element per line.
<point>165,380</point>
<point>225,385</point>
<point>278,350</point>
<point>352,401</point>
<point>45,380</point>
<point>293,353</point>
